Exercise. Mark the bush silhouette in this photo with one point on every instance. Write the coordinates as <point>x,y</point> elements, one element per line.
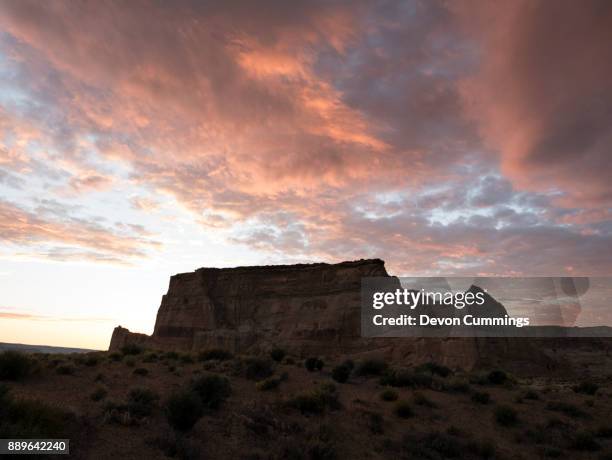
<point>65,369</point>
<point>587,388</point>
<point>141,402</point>
<point>212,390</point>
<point>341,373</point>
<point>311,364</point>
<point>277,354</point>
<point>506,416</point>
<point>131,349</point>
<point>389,395</point>
<point>14,365</point>
<point>403,409</point>
<point>22,418</point>
<point>434,369</point>
<point>316,401</point>
<point>497,377</point>
<point>183,410</point>
<point>268,384</point>
<point>98,394</point>
<point>481,397</point>
<point>371,367</point>
<point>258,368</point>
<point>214,354</point>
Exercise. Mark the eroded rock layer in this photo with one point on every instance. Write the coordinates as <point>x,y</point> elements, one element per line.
<point>308,309</point>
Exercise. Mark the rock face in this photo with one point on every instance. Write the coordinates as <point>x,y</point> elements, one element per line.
<point>312,308</point>
<point>238,308</point>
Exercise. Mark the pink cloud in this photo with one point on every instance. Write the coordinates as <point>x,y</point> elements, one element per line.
<point>285,130</point>
<point>542,94</point>
<point>24,228</point>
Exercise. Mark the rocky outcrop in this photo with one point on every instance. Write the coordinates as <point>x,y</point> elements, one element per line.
<point>308,309</point>
<point>302,306</point>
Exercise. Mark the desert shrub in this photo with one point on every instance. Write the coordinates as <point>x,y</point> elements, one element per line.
<point>313,363</point>
<point>217,354</point>
<point>349,363</point>
<point>587,388</point>
<point>212,390</point>
<point>171,355</point>
<point>114,356</point>
<point>183,410</point>
<point>141,371</point>
<point>406,378</point>
<point>403,409</point>
<point>186,358</point>
<point>444,444</point>
<point>176,445</point>
<point>316,401</point>
<point>14,365</point>
<point>532,395</point>
<point>131,349</point>
<point>341,373</point>
<point>258,368</point>
<point>26,419</point>
<point>99,377</point>
<point>130,361</point>
<point>260,419</point>
<point>482,448</point>
<point>497,377</point>
<point>141,402</point>
<point>115,412</point>
<point>457,385</point>
<point>150,357</point>
<point>268,384</point>
<point>89,360</point>
<point>604,432</point>
<point>371,367</point>
<point>65,369</point>
<point>53,363</point>
<point>375,422</point>
<point>584,441</point>
<point>98,394</point>
<point>389,395</point>
<point>453,443</point>
<point>505,415</point>
<point>479,378</point>
<point>568,409</point>
<point>434,369</point>
<point>481,397</point>
<point>421,400</point>
<point>321,450</point>
<point>289,361</point>
<point>277,354</point>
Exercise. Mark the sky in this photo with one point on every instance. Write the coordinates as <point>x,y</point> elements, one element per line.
<point>141,139</point>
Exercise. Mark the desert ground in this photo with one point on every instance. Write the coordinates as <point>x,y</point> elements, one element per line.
<point>139,403</point>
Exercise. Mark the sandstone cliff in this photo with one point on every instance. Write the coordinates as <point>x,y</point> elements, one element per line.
<point>313,308</point>
<point>237,308</point>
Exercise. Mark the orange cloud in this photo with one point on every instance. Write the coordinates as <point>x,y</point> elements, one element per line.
<point>322,131</point>
<point>23,228</point>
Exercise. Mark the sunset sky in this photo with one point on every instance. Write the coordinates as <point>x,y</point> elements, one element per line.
<point>141,139</point>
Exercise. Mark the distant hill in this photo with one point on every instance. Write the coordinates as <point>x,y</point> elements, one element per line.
<point>41,348</point>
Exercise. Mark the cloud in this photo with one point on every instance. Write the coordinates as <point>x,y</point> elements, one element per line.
<point>78,237</point>
<point>542,94</point>
<point>443,137</point>
<point>23,316</point>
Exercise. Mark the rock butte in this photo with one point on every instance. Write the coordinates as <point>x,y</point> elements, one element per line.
<point>307,309</point>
